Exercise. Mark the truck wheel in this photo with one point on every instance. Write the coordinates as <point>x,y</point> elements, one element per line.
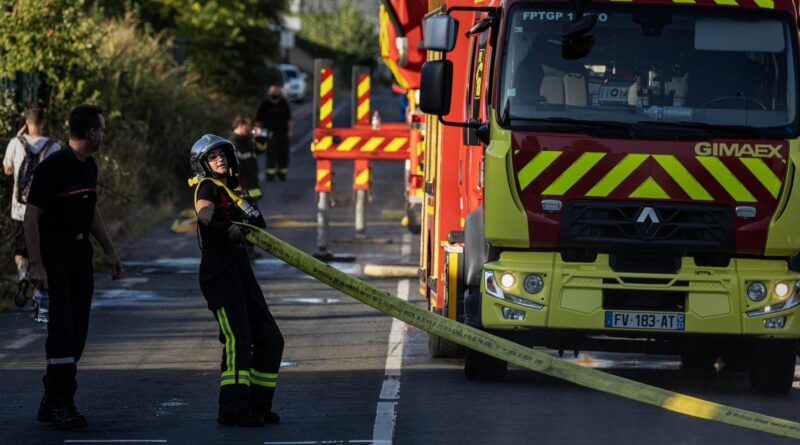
<point>482,367</point>
<point>439,347</point>
<point>414,214</point>
<point>772,365</point>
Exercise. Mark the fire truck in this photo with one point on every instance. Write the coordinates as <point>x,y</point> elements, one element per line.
<point>616,176</point>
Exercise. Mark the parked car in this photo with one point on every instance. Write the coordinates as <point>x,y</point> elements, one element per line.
<point>294,82</point>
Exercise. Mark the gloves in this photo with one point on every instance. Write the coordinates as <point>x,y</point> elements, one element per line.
<point>236,234</point>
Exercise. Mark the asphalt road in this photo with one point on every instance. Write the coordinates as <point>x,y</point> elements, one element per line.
<point>350,374</point>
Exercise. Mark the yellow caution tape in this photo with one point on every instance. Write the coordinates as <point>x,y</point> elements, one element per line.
<point>514,353</point>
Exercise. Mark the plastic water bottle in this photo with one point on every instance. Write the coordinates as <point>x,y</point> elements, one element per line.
<point>41,299</point>
<point>669,113</point>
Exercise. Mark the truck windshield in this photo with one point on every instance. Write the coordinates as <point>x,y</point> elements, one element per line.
<point>653,69</point>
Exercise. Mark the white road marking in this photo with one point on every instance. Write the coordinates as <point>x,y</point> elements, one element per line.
<point>26,337</point>
<point>386,412</point>
<point>115,441</point>
<point>324,442</point>
<point>405,249</point>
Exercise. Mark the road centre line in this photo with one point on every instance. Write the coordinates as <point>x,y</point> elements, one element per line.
<point>386,412</point>
<point>405,249</point>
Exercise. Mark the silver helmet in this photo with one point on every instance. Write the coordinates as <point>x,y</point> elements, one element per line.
<point>197,158</point>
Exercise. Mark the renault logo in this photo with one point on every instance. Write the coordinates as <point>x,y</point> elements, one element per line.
<point>648,223</point>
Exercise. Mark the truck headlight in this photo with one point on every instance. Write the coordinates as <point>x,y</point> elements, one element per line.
<point>533,284</point>
<point>507,280</point>
<point>756,291</point>
<point>792,301</point>
<point>781,289</point>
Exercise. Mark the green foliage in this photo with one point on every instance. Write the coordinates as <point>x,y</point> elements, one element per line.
<point>154,109</point>
<point>343,34</point>
<point>55,39</point>
<point>228,42</point>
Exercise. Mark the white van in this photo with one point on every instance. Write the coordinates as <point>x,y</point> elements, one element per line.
<point>294,82</point>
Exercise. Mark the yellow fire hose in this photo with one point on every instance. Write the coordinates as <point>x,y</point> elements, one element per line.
<point>514,353</point>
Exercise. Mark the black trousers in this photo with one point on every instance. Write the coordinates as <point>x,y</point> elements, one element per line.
<point>249,175</point>
<point>278,155</point>
<point>252,342</point>
<point>71,286</point>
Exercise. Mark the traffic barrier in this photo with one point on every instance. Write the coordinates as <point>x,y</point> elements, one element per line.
<point>514,353</point>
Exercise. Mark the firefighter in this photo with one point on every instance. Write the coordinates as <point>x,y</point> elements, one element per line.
<point>253,344</point>
<point>275,115</point>
<point>246,148</point>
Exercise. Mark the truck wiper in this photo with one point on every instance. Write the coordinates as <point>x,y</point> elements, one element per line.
<point>578,123</point>
<point>719,130</point>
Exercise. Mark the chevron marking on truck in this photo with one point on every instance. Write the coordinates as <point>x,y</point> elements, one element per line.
<point>744,179</point>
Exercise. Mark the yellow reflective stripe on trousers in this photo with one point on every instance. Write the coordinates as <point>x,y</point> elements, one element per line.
<point>726,179</point>
<point>685,180</point>
<point>764,174</point>
<point>230,340</point>
<point>267,379</point>
<point>229,378</point>
<point>573,174</point>
<point>617,174</point>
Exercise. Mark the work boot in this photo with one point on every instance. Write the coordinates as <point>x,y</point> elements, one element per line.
<point>46,412</point>
<point>67,417</point>
<point>271,417</point>
<point>240,419</point>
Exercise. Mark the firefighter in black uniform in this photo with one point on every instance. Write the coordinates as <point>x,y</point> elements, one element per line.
<point>253,344</point>
<point>60,215</point>
<point>275,115</point>
<point>247,152</point>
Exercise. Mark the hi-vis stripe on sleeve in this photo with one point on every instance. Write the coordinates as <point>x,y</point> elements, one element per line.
<point>514,353</point>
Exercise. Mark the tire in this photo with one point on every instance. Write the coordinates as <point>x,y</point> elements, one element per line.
<point>772,365</point>
<point>482,367</point>
<point>439,347</point>
<point>414,214</point>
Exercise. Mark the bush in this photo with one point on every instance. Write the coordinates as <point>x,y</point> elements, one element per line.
<point>154,110</point>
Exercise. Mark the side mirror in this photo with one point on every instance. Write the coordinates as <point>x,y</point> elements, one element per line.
<point>440,33</point>
<point>435,87</point>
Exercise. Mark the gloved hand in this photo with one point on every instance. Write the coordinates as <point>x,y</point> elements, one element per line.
<point>236,234</point>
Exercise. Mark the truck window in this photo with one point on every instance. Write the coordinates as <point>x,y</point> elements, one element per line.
<point>653,65</point>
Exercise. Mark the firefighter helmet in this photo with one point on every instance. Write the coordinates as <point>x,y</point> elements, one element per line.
<point>197,158</point>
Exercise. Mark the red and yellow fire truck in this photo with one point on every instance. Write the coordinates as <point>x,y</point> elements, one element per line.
<point>616,176</point>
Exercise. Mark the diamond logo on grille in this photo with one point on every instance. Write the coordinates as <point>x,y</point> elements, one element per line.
<point>648,223</point>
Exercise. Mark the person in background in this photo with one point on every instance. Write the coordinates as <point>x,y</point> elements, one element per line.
<point>275,115</point>
<point>246,151</point>
<point>23,155</point>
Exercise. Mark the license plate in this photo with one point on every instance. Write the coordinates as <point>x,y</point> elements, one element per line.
<point>645,320</point>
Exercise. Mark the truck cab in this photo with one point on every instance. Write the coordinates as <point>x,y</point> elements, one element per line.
<point>637,177</point>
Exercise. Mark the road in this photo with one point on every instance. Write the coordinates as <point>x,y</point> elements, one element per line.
<point>350,374</point>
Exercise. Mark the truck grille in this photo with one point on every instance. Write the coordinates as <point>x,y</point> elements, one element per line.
<point>611,226</point>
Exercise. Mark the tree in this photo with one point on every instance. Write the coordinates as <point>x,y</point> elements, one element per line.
<point>343,34</point>
<point>228,42</point>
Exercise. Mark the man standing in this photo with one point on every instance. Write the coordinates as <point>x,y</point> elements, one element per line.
<point>274,114</point>
<point>61,214</point>
<point>246,151</point>
<point>29,148</point>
